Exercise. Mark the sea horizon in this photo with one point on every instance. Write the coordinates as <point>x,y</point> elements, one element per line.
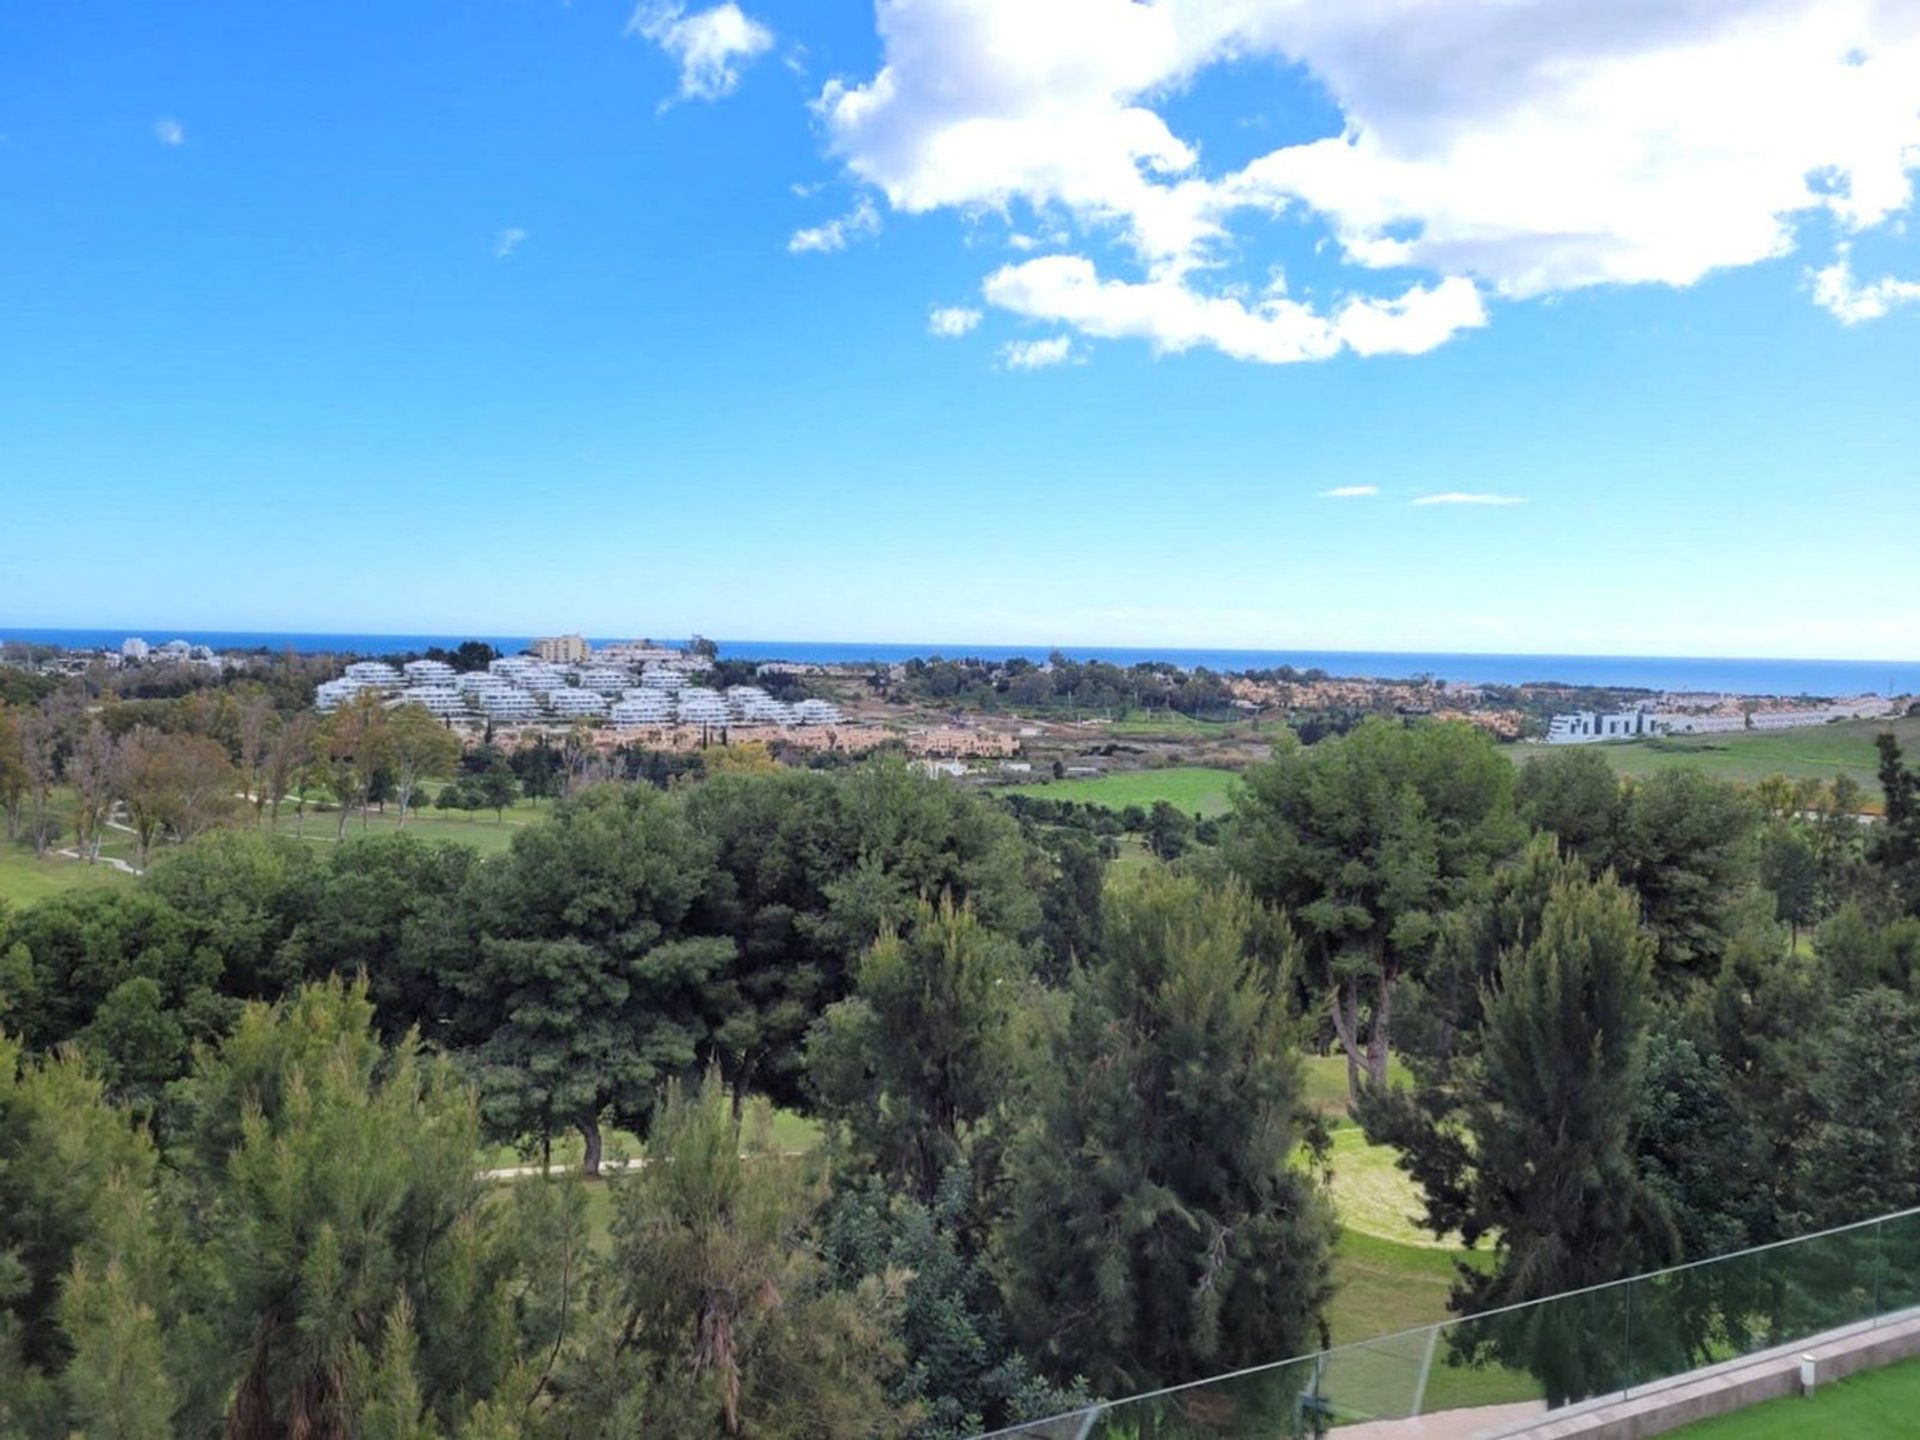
<point>1712,674</point>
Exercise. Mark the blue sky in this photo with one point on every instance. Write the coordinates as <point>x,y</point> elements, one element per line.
<point>505,316</point>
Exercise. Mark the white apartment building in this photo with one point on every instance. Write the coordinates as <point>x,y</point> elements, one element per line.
<point>816,712</point>
<point>373,672</point>
<point>332,694</point>
<point>1679,724</point>
<point>1587,727</point>
<point>428,672</point>
<point>703,707</point>
<point>133,648</point>
<point>441,700</point>
<point>607,679</point>
<point>644,707</point>
<point>509,704</point>
<point>574,703</point>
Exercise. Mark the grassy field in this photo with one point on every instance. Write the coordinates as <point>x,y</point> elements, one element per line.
<point>25,877</point>
<point>1824,751</point>
<point>1326,1082</point>
<point>1195,789</point>
<point>1873,1405</point>
<point>1384,1287</point>
<point>481,829</point>
<point>1373,1196</point>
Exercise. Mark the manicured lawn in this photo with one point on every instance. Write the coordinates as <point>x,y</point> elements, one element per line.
<point>1824,751</point>
<point>25,877</point>
<point>1384,1286</point>
<point>1372,1194</point>
<point>479,828</point>
<point>1385,1289</point>
<point>1326,1082</point>
<point>1194,789</point>
<point>1873,1405</point>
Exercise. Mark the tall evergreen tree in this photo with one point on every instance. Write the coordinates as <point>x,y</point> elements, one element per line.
<point>1687,848</point>
<point>1896,848</point>
<point>1158,1230</point>
<point>923,1050</point>
<point>1541,1153</point>
<point>337,1189</point>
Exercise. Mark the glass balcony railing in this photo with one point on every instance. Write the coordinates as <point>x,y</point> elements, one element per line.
<point>1527,1359</point>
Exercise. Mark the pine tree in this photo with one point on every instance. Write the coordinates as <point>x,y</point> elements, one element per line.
<point>1541,1152</point>
<point>1158,1230</point>
<point>922,1052</point>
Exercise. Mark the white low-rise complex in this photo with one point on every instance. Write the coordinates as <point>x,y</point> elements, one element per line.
<point>1585,727</point>
<point>631,686</point>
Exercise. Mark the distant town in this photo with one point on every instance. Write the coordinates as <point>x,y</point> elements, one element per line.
<point>1006,720</point>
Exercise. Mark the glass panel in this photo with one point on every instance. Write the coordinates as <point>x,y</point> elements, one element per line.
<point>1508,1364</point>
<point>1374,1380</point>
<point>1899,1241</point>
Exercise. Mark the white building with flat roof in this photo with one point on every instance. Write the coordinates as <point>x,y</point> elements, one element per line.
<point>699,706</point>
<point>646,707</point>
<point>332,694</point>
<point>607,679</point>
<point>574,703</point>
<point>509,704</point>
<point>1588,727</point>
<point>428,672</point>
<point>440,700</point>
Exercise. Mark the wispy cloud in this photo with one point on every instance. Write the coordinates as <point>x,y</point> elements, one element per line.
<point>169,131</point>
<point>1037,354</point>
<point>508,241</point>
<point>1349,492</point>
<point>858,223</point>
<point>711,46</point>
<point>950,322</point>
<point>1470,497</point>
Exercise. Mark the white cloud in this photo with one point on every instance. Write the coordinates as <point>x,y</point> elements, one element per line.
<point>1470,497</point>
<point>169,132</point>
<point>1349,492</point>
<point>950,322</point>
<point>508,241</point>
<point>710,45</point>
<point>1850,302</point>
<point>836,234</point>
<point>1521,147</point>
<point>1275,330</point>
<point>1036,354</point>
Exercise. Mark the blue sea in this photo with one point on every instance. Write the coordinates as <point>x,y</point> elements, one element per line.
<point>1731,675</point>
